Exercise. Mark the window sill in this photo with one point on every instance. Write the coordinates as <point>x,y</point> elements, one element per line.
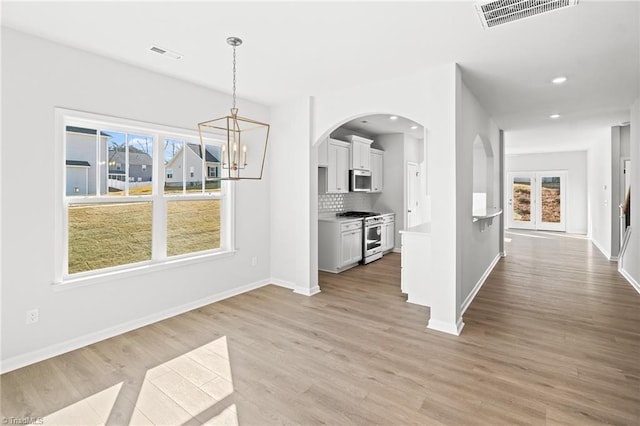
<point>151,266</point>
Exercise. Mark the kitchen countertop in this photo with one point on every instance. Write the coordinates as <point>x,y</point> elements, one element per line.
<point>331,217</point>
<point>422,229</point>
<point>335,218</point>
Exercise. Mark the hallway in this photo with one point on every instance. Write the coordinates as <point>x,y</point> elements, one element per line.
<point>569,323</point>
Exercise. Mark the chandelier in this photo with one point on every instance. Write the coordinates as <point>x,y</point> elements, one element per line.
<point>244,141</point>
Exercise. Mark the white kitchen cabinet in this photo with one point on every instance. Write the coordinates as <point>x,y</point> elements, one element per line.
<point>339,244</point>
<point>388,232</point>
<point>415,263</point>
<point>351,247</point>
<point>323,153</point>
<point>376,163</point>
<point>360,156</point>
<point>338,167</point>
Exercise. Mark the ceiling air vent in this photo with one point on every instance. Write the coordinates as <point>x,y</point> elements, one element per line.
<point>498,12</point>
<point>165,52</point>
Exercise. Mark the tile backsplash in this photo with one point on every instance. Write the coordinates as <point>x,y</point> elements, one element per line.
<point>358,201</point>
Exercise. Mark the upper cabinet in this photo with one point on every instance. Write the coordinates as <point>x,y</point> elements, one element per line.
<point>338,167</point>
<point>360,151</point>
<point>323,153</point>
<point>376,161</point>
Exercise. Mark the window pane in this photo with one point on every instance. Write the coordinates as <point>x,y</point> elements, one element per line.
<point>104,235</point>
<point>81,161</point>
<point>212,182</point>
<point>117,158</point>
<point>173,166</point>
<point>192,225</point>
<point>140,164</point>
<point>193,167</point>
<point>522,199</point>
<point>551,199</point>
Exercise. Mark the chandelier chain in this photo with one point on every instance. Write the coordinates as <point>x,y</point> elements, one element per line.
<point>234,76</point>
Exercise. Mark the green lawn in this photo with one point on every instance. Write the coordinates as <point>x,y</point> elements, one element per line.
<point>106,235</point>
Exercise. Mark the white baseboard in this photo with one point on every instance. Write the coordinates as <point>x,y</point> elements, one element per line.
<point>397,250</point>
<point>23,360</point>
<point>296,289</point>
<point>308,292</point>
<point>602,250</point>
<point>446,327</point>
<point>629,278</point>
<point>478,286</point>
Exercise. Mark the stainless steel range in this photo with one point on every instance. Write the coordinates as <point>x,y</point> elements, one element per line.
<point>372,234</point>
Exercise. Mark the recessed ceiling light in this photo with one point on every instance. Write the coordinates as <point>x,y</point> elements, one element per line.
<point>554,116</point>
<point>414,127</point>
<point>559,80</point>
<point>393,117</point>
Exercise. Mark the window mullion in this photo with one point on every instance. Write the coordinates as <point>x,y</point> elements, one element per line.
<point>159,225</point>
<point>126,163</point>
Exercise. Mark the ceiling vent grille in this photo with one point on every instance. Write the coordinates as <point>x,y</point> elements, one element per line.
<point>166,52</point>
<point>498,12</point>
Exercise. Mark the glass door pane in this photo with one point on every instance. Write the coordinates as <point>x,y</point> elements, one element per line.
<point>521,201</point>
<point>551,188</point>
<point>550,193</point>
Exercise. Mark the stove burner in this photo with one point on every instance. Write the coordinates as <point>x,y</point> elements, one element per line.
<point>357,214</point>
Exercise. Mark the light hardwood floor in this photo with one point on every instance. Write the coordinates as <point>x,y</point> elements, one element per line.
<point>553,337</point>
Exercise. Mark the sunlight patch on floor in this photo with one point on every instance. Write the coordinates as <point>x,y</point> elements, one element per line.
<point>187,389</point>
<point>93,410</point>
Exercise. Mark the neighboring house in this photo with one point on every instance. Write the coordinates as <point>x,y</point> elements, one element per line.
<point>140,166</point>
<point>77,177</point>
<point>191,160</point>
<point>81,160</point>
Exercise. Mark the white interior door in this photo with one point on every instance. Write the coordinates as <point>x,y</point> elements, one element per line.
<point>413,183</point>
<point>537,200</point>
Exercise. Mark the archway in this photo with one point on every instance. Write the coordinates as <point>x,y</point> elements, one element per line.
<point>400,139</point>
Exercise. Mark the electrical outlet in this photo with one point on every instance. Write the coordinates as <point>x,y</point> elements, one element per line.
<point>254,261</point>
<point>32,316</point>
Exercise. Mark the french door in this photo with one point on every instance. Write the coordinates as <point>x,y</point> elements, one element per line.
<point>536,200</point>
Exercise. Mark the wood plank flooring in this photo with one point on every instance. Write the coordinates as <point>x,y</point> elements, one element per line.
<point>553,337</point>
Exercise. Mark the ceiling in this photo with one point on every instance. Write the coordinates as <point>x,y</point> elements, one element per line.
<point>305,48</point>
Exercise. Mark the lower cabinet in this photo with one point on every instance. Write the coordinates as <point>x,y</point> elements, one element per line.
<point>339,244</point>
<point>388,232</point>
<point>415,267</point>
<point>351,247</point>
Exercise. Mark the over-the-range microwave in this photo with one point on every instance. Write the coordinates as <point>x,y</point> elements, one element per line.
<point>360,180</point>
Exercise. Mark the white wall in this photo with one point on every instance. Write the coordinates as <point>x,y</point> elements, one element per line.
<point>478,249</point>
<point>599,192</point>
<point>38,75</point>
<point>427,97</point>
<point>575,163</point>
<point>291,179</point>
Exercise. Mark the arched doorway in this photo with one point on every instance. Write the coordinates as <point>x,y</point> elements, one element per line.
<point>396,142</point>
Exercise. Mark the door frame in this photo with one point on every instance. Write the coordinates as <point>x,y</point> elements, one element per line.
<point>414,209</point>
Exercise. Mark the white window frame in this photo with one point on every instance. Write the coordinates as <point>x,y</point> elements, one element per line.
<point>158,199</point>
